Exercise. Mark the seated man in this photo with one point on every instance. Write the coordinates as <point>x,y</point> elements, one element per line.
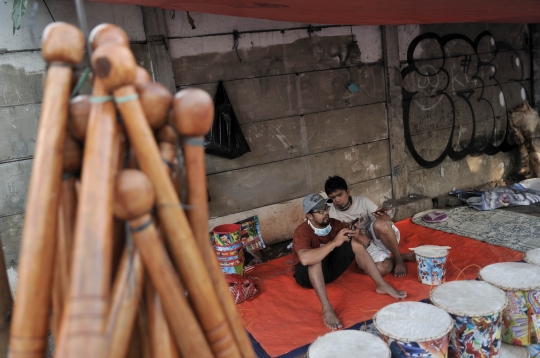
<point>382,236</point>
<point>323,249</point>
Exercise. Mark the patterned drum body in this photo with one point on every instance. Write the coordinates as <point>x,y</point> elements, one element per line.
<point>521,319</point>
<point>414,329</point>
<point>477,309</point>
<point>229,249</point>
<point>431,266</point>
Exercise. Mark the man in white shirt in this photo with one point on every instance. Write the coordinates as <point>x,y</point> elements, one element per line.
<point>382,235</point>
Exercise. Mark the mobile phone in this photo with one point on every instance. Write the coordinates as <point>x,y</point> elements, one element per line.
<point>353,223</point>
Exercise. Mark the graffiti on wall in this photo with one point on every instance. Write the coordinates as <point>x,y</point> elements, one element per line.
<point>457,93</point>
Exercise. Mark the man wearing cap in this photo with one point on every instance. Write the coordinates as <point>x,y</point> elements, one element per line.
<point>323,249</point>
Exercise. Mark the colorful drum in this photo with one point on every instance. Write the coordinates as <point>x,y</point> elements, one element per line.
<point>511,351</point>
<point>350,344</point>
<point>532,257</point>
<point>431,265</point>
<point>414,329</point>
<point>229,249</point>
<point>521,282</point>
<point>477,309</point>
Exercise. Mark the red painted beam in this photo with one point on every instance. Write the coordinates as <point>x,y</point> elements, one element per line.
<point>358,12</point>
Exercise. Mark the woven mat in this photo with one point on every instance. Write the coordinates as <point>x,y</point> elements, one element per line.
<point>515,231</point>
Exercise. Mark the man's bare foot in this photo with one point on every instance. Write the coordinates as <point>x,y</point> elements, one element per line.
<point>399,269</point>
<point>386,289</point>
<point>330,320</point>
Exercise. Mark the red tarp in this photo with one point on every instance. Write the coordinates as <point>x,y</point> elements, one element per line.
<point>358,12</point>
<point>286,316</point>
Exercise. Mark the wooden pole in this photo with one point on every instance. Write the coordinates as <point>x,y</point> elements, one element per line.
<point>109,63</point>
<point>86,309</point>
<point>66,221</point>
<point>193,115</point>
<point>63,46</point>
<point>134,199</point>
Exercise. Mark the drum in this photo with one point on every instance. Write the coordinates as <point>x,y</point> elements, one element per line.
<point>431,265</point>
<point>229,249</point>
<point>414,329</point>
<point>349,343</point>
<point>510,351</point>
<point>532,257</point>
<point>477,309</point>
<point>521,282</point>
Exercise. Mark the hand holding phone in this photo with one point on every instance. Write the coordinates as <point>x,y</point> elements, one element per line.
<point>352,226</point>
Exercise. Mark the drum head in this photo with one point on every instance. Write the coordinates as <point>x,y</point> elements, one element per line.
<point>433,253</point>
<point>469,298</point>
<point>532,257</point>
<point>512,276</point>
<point>413,322</point>
<point>349,343</point>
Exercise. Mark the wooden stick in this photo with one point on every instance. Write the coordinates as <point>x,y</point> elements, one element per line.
<point>66,221</point>
<point>126,298</point>
<point>109,64</point>
<point>156,101</point>
<point>134,199</point>
<point>161,339</point>
<point>79,112</point>
<point>167,139</point>
<point>83,323</point>
<point>193,114</point>
<point>63,44</point>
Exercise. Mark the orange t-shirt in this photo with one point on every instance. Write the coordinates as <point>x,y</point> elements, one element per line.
<point>305,238</point>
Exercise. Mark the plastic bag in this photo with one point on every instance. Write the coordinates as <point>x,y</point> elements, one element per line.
<point>242,288</point>
<point>225,138</point>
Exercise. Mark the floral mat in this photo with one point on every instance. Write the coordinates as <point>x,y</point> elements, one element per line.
<point>520,232</point>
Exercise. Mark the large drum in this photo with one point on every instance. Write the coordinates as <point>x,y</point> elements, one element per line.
<point>477,309</point>
<point>414,329</point>
<point>521,282</point>
<point>350,344</point>
<point>532,257</point>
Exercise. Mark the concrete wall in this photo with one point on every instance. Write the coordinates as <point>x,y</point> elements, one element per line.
<point>287,83</point>
<point>287,87</point>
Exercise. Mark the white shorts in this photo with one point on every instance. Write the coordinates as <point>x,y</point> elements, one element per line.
<point>376,248</point>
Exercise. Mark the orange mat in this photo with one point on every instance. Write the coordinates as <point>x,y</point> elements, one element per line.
<point>286,316</point>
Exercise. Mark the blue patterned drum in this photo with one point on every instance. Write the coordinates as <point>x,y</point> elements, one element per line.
<point>431,266</point>
<point>477,309</point>
<point>414,329</point>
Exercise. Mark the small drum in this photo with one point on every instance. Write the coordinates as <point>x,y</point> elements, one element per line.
<point>414,329</point>
<point>349,343</point>
<point>521,282</point>
<point>477,309</point>
<point>510,351</point>
<point>532,257</point>
<point>431,265</point>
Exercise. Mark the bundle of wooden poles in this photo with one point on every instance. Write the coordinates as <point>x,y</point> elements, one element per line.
<point>111,261</point>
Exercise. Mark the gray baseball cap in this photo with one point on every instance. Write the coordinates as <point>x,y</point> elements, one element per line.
<point>314,202</point>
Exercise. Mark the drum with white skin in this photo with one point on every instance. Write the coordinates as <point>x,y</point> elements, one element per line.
<point>532,257</point>
<point>414,329</point>
<point>349,343</point>
<point>521,282</point>
<point>477,309</point>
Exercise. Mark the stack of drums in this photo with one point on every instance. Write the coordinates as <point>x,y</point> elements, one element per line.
<point>431,265</point>
<point>414,329</point>
<point>229,248</point>
<point>350,344</point>
<point>477,309</point>
<point>521,282</point>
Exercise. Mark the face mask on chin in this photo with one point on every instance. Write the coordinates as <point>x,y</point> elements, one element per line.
<point>321,232</point>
